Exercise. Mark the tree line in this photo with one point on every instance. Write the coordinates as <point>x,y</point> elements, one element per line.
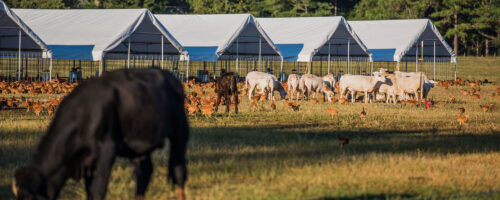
<point>472,27</point>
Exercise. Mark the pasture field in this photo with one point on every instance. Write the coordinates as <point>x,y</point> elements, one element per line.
<point>397,152</point>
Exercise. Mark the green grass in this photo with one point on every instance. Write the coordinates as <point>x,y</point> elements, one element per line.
<point>397,152</point>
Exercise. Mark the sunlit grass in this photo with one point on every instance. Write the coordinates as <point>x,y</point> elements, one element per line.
<point>396,152</point>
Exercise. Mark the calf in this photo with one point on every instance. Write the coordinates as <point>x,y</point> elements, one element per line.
<point>360,83</point>
<point>293,85</point>
<point>122,114</point>
<point>309,83</point>
<point>225,87</point>
<point>262,81</point>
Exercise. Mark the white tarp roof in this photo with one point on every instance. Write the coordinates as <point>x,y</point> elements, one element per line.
<point>208,37</point>
<point>391,40</point>
<point>302,38</point>
<point>87,34</point>
<point>10,24</point>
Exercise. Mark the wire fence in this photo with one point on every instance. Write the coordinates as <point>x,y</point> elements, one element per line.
<point>36,68</point>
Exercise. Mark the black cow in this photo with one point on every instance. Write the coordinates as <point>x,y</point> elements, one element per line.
<point>123,113</point>
<point>225,87</point>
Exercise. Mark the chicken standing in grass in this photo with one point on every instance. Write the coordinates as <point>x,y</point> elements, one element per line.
<point>463,119</point>
<point>461,110</point>
<point>332,111</point>
<point>363,113</point>
<point>273,106</point>
<point>343,141</point>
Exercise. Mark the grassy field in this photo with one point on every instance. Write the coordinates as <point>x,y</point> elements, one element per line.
<point>397,152</point>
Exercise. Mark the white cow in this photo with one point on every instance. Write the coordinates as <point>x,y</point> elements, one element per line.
<point>262,81</point>
<point>329,80</point>
<point>360,83</point>
<point>309,83</point>
<point>410,83</point>
<point>293,83</point>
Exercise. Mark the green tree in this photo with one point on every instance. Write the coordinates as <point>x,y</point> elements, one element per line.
<point>43,4</point>
<point>486,23</point>
<point>454,16</point>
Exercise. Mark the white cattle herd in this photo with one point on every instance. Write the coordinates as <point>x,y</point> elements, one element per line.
<point>393,86</point>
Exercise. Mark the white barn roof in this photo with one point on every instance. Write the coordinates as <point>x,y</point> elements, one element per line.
<point>10,24</point>
<point>207,37</point>
<point>303,38</point>
<point>88,34</point>
<point>391,40</point>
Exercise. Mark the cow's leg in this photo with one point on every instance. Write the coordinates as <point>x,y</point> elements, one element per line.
<point>96,182</point>
<point>252,87</point>
<point>367,98</point>
<point>353,98</point>
<point>228,101</point>
<point>219,96</point>
<point>235,99</point>
<point>143,170</point>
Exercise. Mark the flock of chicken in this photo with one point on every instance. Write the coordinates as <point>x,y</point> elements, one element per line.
<point>33,89</point>
<point>200,101</point>
<point>202,98</point>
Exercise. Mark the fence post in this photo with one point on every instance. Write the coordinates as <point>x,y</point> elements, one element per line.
<point>161,64</point>
<point>348,53</point>
<point>416,58</point>
<point>19,57</point>
<point>434,77</point>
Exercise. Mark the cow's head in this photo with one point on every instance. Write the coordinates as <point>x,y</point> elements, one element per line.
<point>29,183</point>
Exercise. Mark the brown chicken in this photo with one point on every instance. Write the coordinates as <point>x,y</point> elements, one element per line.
<point>287,104</point>
<point>484,108</point>
<point>343,141</point>
<point>193,109</point>
<point>208,110</point>
<point>314,100</point>
<point>343,100</point>
<point>50,109</point>
<point>254,106</point>
<point>451,97</point>
<point>255,98</point>
<point>461,110</point>
<point>273,106</point>
<point>334,100</point>
<point>332,111</point>
<point>477,96</point>
<point>37,108</point>
<point>462,119</point>
<point>363,113</point>
<point>263,97</point>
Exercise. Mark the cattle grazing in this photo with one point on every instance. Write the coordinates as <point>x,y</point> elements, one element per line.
<point>309,83</point>
<point>293,85</point>
<point>225,87</point>
<point>261,80</point>
<point>122,114</point>
<point>360,83</point>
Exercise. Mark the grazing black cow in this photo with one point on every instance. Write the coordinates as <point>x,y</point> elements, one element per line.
<point>225,87</point>
<point>123,113</point>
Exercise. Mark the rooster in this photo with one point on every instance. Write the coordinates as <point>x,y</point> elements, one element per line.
<point>287,104</point>
<point>208,110</point>
<point>254,106</point>
<point>50,109</point>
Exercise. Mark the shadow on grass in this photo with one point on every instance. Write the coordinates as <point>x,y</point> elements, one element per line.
<point>310,145</point>
<point>369,197</point>
<point>6,192</point>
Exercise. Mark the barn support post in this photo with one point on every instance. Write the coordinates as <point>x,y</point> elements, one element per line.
<point>434,62</point>
<point>329,56</point>
<point>50,68</point>
<point>348,53</point>
<point>260,52</point>
<point>455,76</point>
<point>19,57</point>
<point>187,71</point>
<point>371,67</point>
<point>162,53</point>
<point>237,56</point>
<point>416,58</point>
<point>281,66</point>
<point>422,51</point>
<point>321,65</point>
<point>128,54</point>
